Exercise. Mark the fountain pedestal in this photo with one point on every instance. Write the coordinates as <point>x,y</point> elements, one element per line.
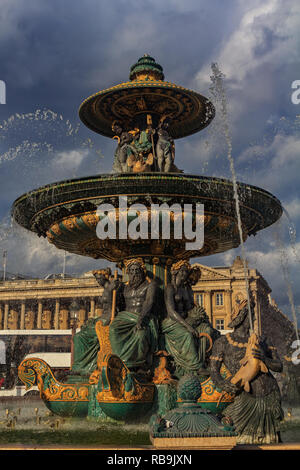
<point>189,425</point>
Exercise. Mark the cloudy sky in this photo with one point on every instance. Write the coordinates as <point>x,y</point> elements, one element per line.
<point>54,54</point>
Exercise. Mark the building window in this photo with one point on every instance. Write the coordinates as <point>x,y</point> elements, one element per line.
<point>220,323</point>
<point>199,299</point>
<point>219,299</point>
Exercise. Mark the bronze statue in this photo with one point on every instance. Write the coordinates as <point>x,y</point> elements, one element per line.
<point>123,150</point>
<point>256,411</point>
<point>103,277</point>
<point>86,345</point>
<point>187,330</point>
<point>134,333</point>
<point>165,148</point>
<point>142,160</point>
<point>146,149</point>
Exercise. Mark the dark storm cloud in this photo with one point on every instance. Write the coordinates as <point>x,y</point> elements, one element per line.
<point>56,53</point>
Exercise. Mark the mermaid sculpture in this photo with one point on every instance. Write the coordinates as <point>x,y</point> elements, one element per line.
<point>256,410</point>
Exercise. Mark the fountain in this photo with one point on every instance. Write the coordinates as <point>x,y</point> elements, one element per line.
<point>151,335</point>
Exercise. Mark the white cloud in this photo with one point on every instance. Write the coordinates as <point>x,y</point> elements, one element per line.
<point>266,34</point>
<point>286,151</point>
<point>293,208</point>
<point>28,254</point>
<point>12,11</point>
<point>69,160</point>
<point>282,151</point>
<point>276,164</point>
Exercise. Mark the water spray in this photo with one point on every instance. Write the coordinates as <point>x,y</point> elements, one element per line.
<point>217,79</point>
<point>286,273</point>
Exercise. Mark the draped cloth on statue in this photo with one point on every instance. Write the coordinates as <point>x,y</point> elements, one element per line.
<point>134,347</point>
<point>86,347</point>
<point>256,419</point>
<point>187,350</point>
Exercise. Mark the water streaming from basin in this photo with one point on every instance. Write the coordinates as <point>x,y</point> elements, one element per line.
<point>283,127</point>
<point>36,147</point>
<point>279,237</point>
<point>219,93</point>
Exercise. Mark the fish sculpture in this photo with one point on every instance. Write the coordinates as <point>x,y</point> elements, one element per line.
<point>250,365</point>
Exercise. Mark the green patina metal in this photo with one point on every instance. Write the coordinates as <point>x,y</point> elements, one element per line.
<point>68,409</point>
<point>190,419</point>
<point>146,64</point>
<point>126,411</point>
<point>165,398</point>
<point>147,93</point>
<point>41,210</point>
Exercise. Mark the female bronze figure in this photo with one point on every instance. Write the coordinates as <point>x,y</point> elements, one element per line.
<point>187,330</point>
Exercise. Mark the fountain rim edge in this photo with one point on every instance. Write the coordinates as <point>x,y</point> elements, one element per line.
<point>146,175</point>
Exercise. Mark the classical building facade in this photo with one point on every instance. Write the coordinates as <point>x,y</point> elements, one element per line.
<point>220,287</point>
<point>36,314</point>
<point>44,304</point>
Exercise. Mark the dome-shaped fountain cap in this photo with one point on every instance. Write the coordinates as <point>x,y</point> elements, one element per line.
<point>146,68</point>
<point>148,93</point>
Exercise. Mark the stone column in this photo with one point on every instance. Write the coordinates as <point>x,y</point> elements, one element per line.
<point>39,315</point>
<point>5,321</point>
<point>46,319</point>
<point>81,315</point>
<point>29,317</point>
<point>64,318</point>
<point>1,317</point>
<point>13,319</point>
<point>22,318</point>
<point>56,315</point>
<point>92,309</point>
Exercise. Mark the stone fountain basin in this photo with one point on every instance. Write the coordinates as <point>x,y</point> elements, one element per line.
<point>65,212</point>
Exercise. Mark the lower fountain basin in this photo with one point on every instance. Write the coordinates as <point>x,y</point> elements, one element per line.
<point>126,411</point>
<point>66,408</point>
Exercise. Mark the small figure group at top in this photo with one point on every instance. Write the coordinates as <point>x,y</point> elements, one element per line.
<point>147,150</point>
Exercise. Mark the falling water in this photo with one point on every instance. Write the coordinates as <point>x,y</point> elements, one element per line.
<point>278,236</point>
<point>280,127</point>
<point>23,148</point>
<point>47,134</point>
<point>292,235</point>
<point>41,124</point>
<point>218,91</point>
